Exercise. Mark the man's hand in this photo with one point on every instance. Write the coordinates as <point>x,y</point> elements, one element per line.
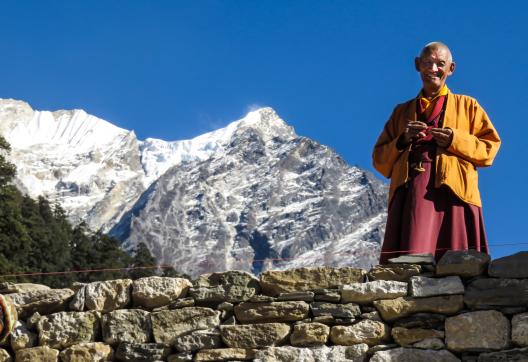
<point>414,129</point>
<point>442,136</point>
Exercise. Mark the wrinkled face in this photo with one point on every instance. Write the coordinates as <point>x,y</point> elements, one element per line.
<point>434,67</point>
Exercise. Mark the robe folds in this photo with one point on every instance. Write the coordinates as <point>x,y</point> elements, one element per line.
<point>438,209</point>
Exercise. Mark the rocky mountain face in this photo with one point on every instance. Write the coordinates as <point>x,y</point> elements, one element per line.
<point>250,196</point>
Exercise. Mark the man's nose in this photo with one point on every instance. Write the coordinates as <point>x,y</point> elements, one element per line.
<point>434,67</point>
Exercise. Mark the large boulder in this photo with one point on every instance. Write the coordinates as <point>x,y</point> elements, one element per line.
<point>168,325</point>
<point>511,266</point>
<point>108,295</point>
<point>275,282</point>
<point>248,312</point>
<point>126,325</point>
<point>43,301</point>
<point>153,292</point>
<point>491,292</point>
<point>64,329</point>
<point>464,263</point>
<point>255,335</point>
<point>430,287</point>
<point>479,331</point>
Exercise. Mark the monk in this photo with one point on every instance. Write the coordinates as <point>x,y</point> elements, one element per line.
<point>430,148</point>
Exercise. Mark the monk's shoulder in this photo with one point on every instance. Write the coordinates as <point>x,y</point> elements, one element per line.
<point>462,100</point>
<point>401,107</point>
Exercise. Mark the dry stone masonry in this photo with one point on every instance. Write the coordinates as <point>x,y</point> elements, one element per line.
<point>464,308</point>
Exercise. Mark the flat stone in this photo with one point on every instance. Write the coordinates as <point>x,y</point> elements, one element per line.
<point>365,331</point>
<point>87,352</point>
<point>485,293</point>
<point>512,266</point>
<point>132,352</point>
<point>348,310</point>
<point>198,340</point>
<point>517,354</point>
<point>44,301</point>
<point>430,287</point>
<point>255,335</point>
<point>366,293</point>
<point>392,309</point>
<point>152,292</point>
<point>422,320</point>
<point>328,295</point>
<point>182,303</point>
<point>520,329</point>
<point>108,295</point>
<point>296,296</point>
<point>420,259</point>
<point>479,331</point>
<point>180,357</point>
<point>373,316</point>
<point>396,272</point>
<point>168,325</point>
<point>309,334</point>
<point>430,343</point>
<point>40,354</point>
<point>407,337</point>
<point>21,337</point>
<point>126,325</point>
<point>261,299</point>
<point>295,280</point>
<point>356,353</point>
<point>225,354</point>
<point>413,355</point>
<point>64,329</point>
<point>464,263</point>
<point>248,312</point>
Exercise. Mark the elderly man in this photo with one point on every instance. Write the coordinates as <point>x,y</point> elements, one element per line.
<point>430,148</point>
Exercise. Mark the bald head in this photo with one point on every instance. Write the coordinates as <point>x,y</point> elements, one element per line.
<point>436,45</point>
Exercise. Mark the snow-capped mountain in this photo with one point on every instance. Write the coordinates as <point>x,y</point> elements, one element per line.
<point>250,196</point>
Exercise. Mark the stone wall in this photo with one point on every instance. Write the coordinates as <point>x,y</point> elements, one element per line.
<point>464,308</point>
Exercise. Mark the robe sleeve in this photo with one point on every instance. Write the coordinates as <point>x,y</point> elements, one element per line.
<point>386,151</point>
<point>480,145</point>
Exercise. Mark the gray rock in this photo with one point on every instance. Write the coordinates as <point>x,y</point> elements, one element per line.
<point>144,352</point>
<point>520,329</point>
<point>155,291</point>
<point>429,287</point>
<point>197,340</point>
<point>180,357</point>
<point>78,301</point>
<point>430,343</point>
<point>108,295</point>
<point>517,354</point>
<point>512,266</point>
<point>327,295</point>
<point>255,335</point>
<point>407,337</point>
<point>21,337</point>
<point>413,355</point>
<point>123,325</point>
<point>373,316</point>
<point>348,310</point>
<point>480,331</point>
<point>225,354</point>
<point>248,312</point>
<point>464,263</point>
<point>422,320</point>
<point>365,293</point>
<point>182,303</point>
<point>64,329</point>
<point>40,354</point>
<point>230,286</point>
<point>420,259</point>
<point>168,325</point>
<point>485,293</point>
<point>396,272</point>
<point>41,301</point>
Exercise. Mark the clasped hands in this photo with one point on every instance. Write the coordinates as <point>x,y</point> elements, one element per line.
<point>417,130</point>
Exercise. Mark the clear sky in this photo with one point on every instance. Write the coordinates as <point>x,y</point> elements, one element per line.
<point>333,70</point>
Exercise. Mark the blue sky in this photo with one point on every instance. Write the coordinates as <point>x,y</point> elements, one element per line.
<point>334,70</point>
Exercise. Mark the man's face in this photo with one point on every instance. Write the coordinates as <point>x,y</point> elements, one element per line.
<point>434,67</point>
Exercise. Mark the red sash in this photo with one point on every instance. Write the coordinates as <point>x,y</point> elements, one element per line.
<point>433,120</point>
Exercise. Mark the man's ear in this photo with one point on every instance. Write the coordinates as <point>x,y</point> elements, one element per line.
<point>452,67</point>
<point>417,64</point>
